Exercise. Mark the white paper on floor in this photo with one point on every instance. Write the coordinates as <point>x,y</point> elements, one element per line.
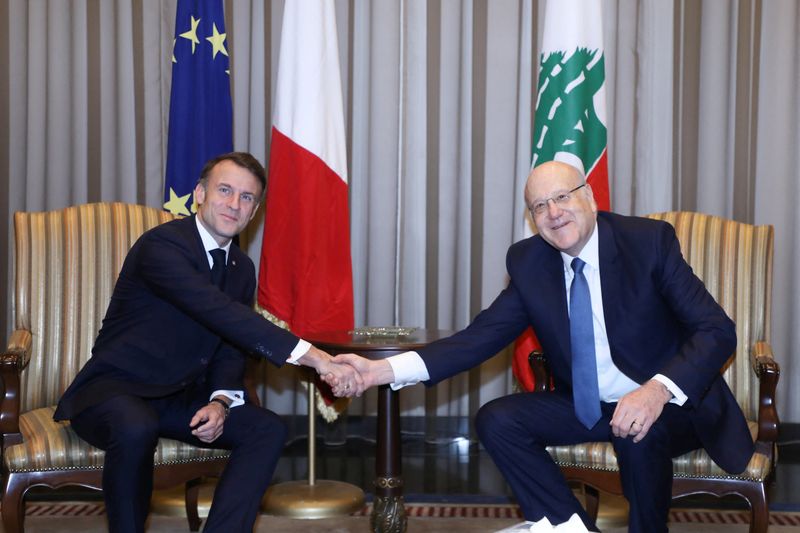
<point>573,525</point>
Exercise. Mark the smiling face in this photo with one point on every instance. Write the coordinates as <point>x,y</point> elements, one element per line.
<point>565,225</point>
<point>227,201</point>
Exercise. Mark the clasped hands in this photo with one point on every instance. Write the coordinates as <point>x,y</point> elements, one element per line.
<point>348,374</point>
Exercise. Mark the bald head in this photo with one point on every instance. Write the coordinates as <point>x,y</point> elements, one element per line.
<point>550,171</point>
<point>562,206</point>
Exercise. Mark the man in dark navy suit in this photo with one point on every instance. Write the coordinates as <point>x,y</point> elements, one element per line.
<point>656,341</point>
<point>169,358</point>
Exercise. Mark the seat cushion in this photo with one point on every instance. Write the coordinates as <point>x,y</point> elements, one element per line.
<point>50,445</point>
<point>695,464</point>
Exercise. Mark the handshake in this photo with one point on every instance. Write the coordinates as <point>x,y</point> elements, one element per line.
<point>348,374</point>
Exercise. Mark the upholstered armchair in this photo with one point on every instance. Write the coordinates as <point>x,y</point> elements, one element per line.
<point>735,262</point>
<point>65,266</point>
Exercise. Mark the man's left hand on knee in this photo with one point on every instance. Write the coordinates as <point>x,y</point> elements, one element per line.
<point>207,423</point>
<point>638,410</point>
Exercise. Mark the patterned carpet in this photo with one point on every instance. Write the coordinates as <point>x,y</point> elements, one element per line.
<point>677,516</point>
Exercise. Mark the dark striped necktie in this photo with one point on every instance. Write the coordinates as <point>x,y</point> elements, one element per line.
<point>218,269</point>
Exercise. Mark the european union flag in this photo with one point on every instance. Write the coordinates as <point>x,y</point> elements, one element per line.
<point>200,111</point>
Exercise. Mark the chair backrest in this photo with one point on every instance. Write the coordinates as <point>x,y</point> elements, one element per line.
<point>66,263</point>
<point>734,260</point>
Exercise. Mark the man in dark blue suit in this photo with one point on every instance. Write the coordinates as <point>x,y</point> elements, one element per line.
<point>656,341</point>
<point>169,359</point>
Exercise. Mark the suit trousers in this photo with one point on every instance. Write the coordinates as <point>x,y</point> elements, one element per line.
<point>516,429</point>
<point>128,428</point>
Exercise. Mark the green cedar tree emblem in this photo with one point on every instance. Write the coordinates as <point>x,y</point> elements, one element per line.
<point>566,119</point>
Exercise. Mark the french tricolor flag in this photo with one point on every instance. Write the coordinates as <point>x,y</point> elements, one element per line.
<point>306,276</point>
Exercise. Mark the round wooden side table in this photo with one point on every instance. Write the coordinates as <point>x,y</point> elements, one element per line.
<point>388,512</point>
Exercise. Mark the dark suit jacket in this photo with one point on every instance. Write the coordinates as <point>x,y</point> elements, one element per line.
<point>659,318</point>
<point>168,327</point>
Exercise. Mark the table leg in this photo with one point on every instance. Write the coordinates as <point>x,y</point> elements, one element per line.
<point>388,511</point>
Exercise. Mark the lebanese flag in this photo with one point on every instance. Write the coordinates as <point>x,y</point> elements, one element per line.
<point>570,120</point>
<point>305,277</point>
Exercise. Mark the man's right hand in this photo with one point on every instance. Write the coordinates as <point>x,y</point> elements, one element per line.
<point>344,378</point>
<point>377,372</point>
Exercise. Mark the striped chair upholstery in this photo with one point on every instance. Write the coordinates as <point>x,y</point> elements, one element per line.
<point>734,260</point>
<point>65,265</point>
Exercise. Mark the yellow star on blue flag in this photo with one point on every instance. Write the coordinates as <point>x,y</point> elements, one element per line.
<point>200,110</point>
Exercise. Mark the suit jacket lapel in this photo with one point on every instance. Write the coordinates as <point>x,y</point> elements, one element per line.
<point>553,290</point>
<point>200,251</point>
<point>233,279</point>
<point>611,278</point>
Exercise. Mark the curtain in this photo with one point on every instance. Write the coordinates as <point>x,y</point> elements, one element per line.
<point>703,114</point>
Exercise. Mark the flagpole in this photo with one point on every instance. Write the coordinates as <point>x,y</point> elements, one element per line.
<point>312,432</point>
<point>308,184</point>
<point>312,498</point>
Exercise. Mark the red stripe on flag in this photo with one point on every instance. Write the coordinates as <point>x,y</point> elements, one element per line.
<point>306,276</point>
<point>598,179</point>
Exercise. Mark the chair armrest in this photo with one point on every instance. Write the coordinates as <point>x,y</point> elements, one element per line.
<point>768,372</point>
<point>12,361</point>
<point>541,371</point>
<point>19,347</point>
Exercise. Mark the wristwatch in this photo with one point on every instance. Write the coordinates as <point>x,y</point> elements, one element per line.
<point>224,405</point>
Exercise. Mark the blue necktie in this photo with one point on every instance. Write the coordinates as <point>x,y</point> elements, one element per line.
<point>585,392</point>
<point>218,269</point>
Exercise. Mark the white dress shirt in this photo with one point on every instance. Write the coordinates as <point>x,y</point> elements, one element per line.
<point>409,368</point>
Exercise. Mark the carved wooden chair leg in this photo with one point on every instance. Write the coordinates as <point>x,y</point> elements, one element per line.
<point>759,512</point>
<point>192,498</point>
<point>12,505</point>
<point>591,499</point>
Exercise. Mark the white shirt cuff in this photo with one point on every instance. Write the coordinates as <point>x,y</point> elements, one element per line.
<point>299,351</point>
<point>235,396</point>
<point>678,397</point>
<point>408,368</point>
